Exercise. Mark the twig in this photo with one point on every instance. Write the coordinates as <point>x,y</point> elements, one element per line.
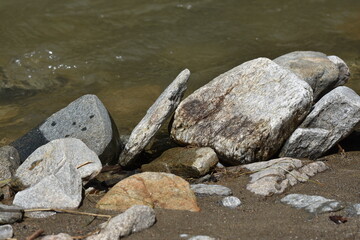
<point>67,211</point>
<point>83,164</point>
<point>35,234</point>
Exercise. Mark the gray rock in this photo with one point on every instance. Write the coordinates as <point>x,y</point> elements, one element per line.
<point>135,219</point>
<point>60,236</point>
<point>9,162</point>
<point>61,190</point>
<point>274,176</point>
<point>87,119</point>
<point>245,114</point>
<point>201,237</point>
<point>10,214</point>
<point>231,202</point>
<point>6,231</point>
<point>184,162</point>
<point>49,158</point>
<point>333,118</point>
<point>163,107</point>
<point>312,204</point>
<point>322,73</point>
<point>353,210</point>
<point>207,189</point>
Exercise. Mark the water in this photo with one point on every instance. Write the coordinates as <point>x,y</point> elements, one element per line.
<point>127,51</point>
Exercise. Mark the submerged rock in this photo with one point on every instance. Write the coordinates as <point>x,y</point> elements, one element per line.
<point>333,118</point>
<point>161,190</point>
<point>163,107</point>
<point>86,119</point>
<point>135,219</point>
<point>274,176</point>
<point>245,114</point>
<point>184,162</point>
<point>321,72</point>
<point>312,204</point>
<point>49,158</point>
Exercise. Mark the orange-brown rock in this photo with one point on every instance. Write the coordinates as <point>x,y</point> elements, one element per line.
<point>157,190</point>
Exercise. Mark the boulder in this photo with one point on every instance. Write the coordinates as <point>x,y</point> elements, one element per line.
<point>135,219</point>
<point>49,158</point>
<point>161,190</point>
<point>9,162</point>
<point>61,190</point>
<point>312,204</point>
<point>333,118</point>
<point>275,176</point>
<point>184,162</point>
<point>10,214</point>
<point>321,72</point>
<point>163,107</point>
<point>86,119</point>
<point>245,114</point>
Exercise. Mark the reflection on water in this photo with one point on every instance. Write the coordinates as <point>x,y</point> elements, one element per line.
<point>127,51</point>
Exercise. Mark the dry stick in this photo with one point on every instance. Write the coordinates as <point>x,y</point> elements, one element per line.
<point>67,211</point>
<point>35,234</point>
<point>83,164</point>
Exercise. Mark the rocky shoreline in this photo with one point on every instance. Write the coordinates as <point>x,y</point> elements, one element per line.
<point>264,119</point>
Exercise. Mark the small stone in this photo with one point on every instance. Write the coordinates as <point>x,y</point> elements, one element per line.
<point>163,107</point>
<point>207,189</point>
<point>49,158</point>
<point>184,162</point>
<point>312,204</point>
<point>6,231</point>
<point>135,219</point>
<point>201,237</point>
<point>10,214</point>
<point>231,202</point>
<point>99,133</point>
<point>353,210</point>
<point>161,190</point>
<point>60,236</point>
<point>9,162</point>
<point>333,118</point>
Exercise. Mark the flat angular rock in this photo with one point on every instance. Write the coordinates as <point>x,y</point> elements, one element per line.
<point>49,158</point>
<point>161,190</point>
<point>163,107</point>
<point>207,190</point>
<point>135,219</point>
<point>333,118</point>
<point>62,190</point>
<point>184,162</point>
<point>10,214</point>
<point>9,162</point>
<point>231,202</point>
<point>312,204</point>
<point>6,231</point>
<point>245,114</point>
<point>274,176</point>
<point>86,119</point>
<point>321,72</point>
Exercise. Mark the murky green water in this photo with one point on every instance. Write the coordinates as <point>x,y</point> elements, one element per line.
<point>127,51</point>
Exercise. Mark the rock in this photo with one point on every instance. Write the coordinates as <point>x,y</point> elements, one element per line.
<point>135,219</point>
<point>49,158</point>
<point>312,204</point>
<point>274,176</point>
<point>184,162</point>
<point>322,73</point>
<point>60,236</point>
<point>207,189</point>
<point>10,214</point>
<point>245,114</point>
<point>9,162</point>
<point>353,210</point>
<point>163,107</point>
<point>333,118</point>
<point>86,119</point>
<point>231,202</point>
<point>201,237</point>
<point>6,231</point>
<point>61,190</point>
<point>161,190</point>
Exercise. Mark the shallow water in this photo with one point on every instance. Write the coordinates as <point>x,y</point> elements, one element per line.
<point>127,51</point>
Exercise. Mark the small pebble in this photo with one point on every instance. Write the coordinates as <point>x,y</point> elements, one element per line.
<point>201,237</point>
<point>6,231</point>
<point>231,202</point>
